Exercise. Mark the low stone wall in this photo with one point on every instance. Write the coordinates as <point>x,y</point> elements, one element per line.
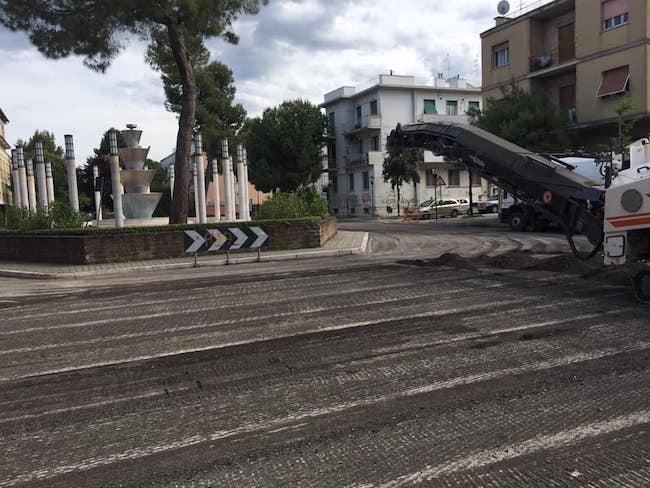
<point>157,244</point>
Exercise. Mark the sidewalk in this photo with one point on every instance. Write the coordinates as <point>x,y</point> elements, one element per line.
<point>343,243</point>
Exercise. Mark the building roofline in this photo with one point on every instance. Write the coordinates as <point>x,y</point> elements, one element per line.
<point>392,86</point>
<point>508,22</point>
<point>3,117</point>
<point>3,143</point>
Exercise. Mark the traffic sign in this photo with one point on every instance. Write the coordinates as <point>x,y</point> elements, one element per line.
<point>224,239</point>
<point>440,181</point>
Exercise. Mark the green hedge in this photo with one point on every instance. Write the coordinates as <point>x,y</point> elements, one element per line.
<point>154,229</point>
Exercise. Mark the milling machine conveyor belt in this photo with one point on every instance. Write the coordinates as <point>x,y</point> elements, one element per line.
<point>566,196</point>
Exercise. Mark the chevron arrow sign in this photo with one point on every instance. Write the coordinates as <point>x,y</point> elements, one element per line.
<point>194,241</point>
<point>225,239</point>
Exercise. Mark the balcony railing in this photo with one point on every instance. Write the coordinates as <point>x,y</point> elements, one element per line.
<point>430,118</point>
<point>367,122</point>
<point>371,158</point>
<point>547,60</point>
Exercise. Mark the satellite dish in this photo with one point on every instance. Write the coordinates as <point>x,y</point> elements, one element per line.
<point>503,7</point>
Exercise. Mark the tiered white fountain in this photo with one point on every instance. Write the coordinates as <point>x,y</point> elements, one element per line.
<point>138,202</point>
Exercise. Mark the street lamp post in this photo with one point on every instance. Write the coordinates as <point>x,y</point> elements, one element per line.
<point>372,195</point>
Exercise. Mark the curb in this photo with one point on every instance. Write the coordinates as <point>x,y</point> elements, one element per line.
<point>290,256</point>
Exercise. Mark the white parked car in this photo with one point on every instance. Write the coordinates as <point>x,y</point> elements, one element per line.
<point>442,208</point>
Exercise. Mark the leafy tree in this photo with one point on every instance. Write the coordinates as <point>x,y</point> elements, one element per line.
<point>97,30</point>
<point>216,115</point>
<point>285,146</point>
<point>625,106</point>
<point>526,119</point>
<point>53,153</point>
<point>400,168</point>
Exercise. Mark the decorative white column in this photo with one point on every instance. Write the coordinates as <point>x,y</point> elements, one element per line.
<point>233,187</point>
<point>15,179</point>
<point>215,189</point>
<point>71,169</point>
<point>31,187</point>
<point>200,175</point>
<point>49,179</point>
<point>227,182</point>
<point>241,180</point>
<point>41,175</point>
<point>172,179</point>
<point>98,195</point>
<point>115,179</point>
<point>195,182</point>
<point>22,177</point>
<point>247,195</point>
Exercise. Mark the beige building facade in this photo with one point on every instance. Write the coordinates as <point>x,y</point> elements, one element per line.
<point>582,54</point>
<point>6,195</point>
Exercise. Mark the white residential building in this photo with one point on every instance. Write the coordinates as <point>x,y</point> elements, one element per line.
<point>360,120</point>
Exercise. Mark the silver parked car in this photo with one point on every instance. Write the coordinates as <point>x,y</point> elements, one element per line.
<point>489,206</point>
<point>442,208</point>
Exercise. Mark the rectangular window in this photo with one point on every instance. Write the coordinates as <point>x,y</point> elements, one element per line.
<point>454,177</point>
<point>331,120</point>
<point>373,108</point>
<point>375,143</point>
<point>501,55</point>
<point>331,155</point>
<point>430,107</point>
<point>366,180</point>
<point>360,146</point>
<point>430,178</point>
<point>452,107</point>
<point>358,115</point>
<point>475,106</point>
<point>334,180</point>
<point>614,13</point>
<point>614,81</point>
<point>351,180</point>
<point>475,178</point>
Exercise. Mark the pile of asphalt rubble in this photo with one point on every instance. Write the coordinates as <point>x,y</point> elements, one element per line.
<point>594,269</point>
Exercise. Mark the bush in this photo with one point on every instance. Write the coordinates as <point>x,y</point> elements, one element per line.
<point>304,202</point>
<point>59,216</point>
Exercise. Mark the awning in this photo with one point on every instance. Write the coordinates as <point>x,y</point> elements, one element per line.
<point>614,81</point>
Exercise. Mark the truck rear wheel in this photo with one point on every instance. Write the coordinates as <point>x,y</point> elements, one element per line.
<point>641,283</point>
<point>518,222</point>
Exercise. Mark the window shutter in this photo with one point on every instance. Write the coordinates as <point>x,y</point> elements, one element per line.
<point>614,81</point>
<point>612,8</point>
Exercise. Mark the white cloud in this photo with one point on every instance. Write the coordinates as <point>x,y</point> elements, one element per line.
<point>292,49</point>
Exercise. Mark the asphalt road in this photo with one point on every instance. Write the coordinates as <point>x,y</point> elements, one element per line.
<point>399,368</point>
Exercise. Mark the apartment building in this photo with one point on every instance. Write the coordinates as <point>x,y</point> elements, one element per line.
<point>582,54</point>
<point>360,120</point>
<point>6,195</point>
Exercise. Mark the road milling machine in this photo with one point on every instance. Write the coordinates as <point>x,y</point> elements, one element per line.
<point>612,220</point>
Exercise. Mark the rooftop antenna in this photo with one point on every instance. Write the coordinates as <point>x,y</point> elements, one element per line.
<point>503,7</point>
<point>448,66</point>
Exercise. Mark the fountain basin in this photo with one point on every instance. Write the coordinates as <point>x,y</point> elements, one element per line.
<point>133,157</point>
<point>132,137</point>
<point>139,205</point>
<point>137,180</point>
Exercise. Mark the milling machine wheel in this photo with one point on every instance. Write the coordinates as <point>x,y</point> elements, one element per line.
<point>641,283</point>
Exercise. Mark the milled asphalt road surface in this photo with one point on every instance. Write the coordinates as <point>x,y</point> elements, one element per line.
<point>482,368</point>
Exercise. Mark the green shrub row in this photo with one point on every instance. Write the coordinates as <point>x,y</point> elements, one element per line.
<point>59,216</point>
<point>154,229</point>
<point>301,203</point>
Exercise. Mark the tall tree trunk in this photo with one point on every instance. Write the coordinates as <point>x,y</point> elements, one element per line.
<point>398,198</point>
<point>179,206</point>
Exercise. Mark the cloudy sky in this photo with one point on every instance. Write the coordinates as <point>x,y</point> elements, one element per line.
<point>292,49</point>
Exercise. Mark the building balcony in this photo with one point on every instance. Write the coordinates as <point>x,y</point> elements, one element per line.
<point>550,64</point>
<point>443,119</point>
<point>369,122</point>
<point>371,158</point>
